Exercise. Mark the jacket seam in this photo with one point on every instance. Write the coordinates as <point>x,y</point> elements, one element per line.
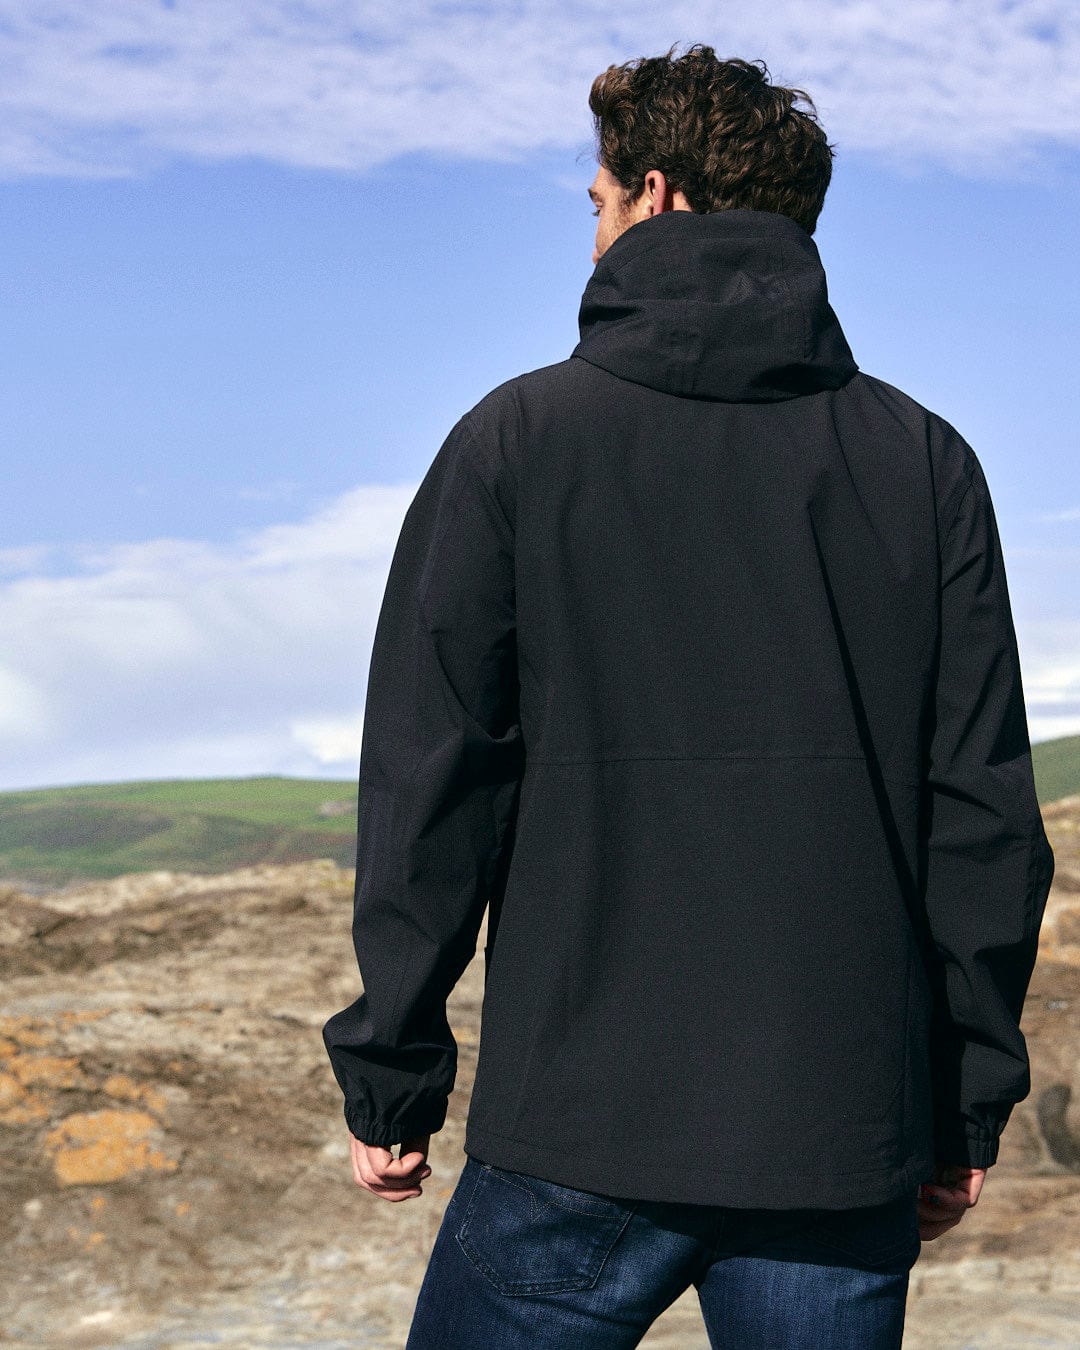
<point>722,754</point>
<point>905,1072</point>
<point>1031,891</point>
<point>536,758</point>
<point>474,457</point>
<point>959,505</point>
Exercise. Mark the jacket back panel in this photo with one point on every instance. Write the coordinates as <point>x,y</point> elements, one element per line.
<point>726,633</point>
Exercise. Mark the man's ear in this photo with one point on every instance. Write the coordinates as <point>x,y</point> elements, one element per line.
<point>657,195</point>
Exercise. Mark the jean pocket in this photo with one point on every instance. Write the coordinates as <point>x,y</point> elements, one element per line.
<point>874,1236</point>
<point>531,1236</point>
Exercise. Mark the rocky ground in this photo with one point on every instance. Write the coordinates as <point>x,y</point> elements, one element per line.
<point>175,1164</point>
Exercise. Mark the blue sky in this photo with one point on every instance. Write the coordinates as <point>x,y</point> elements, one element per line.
<point>258,264</point>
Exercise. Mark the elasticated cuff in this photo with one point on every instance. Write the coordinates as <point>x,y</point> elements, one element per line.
<point>386,1133</point>
<point>966,1147</point>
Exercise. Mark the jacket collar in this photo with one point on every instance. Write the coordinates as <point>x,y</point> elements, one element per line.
<point>729,305</point>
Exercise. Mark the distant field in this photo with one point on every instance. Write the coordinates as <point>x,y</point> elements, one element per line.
<point>53,836</point>
<point>1057,768</point>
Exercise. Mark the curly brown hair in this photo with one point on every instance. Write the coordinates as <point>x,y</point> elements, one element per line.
<point>716,129</point>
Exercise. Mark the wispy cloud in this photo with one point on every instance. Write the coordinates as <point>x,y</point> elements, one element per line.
<point>179,657</point>
<point>340,84</point>
<point>29,559</point>
<point>1050,656</point>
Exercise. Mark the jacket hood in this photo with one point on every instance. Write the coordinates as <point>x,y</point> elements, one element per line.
<point>728,305</point>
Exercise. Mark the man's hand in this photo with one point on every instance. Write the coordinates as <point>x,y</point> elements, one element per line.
<point>944,1201</point>
<point>378,1171</point>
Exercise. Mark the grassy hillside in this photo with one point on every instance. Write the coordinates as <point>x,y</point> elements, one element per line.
<point>1057,767</point>
<point>52,836</point>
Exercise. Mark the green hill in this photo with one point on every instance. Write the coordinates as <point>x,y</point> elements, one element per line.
<point>53,836</point>
<point>1057,768</point>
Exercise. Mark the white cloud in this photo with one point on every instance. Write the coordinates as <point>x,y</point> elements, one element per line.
<point>341,84</point>
<point>29,559</point>
<point>183,658</point>
<point>332,533</point>
<point>24,714</point>
<point>331,740</point>
<point>1050,654</point>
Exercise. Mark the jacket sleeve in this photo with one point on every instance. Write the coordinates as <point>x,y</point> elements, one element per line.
<point>440,766</point>
<point>988,862</point>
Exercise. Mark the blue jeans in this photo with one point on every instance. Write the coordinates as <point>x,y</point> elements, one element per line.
<point>523,1262</point>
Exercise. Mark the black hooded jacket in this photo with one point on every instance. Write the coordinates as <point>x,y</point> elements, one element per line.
<point>696,666</point>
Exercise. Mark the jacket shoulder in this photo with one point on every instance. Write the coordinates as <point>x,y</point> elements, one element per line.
<point>952,461</point>
<point>518,399</point>
<point>499,423</point>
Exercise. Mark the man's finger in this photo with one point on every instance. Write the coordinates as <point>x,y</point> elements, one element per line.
<point>392,1180</point>
<point>398,1170</point>
<point>390,1188</point>
<point>411,1188</point>
<point>946,1195</point>
<point>380,1165</point>
<point>398,1167</point>
<point>943,1201</point>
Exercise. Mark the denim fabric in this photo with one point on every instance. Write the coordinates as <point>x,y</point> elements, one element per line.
<point>524,1262</point>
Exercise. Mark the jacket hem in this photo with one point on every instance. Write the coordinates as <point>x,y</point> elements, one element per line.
<point>689,1179</point>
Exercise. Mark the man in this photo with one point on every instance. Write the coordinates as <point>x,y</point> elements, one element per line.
<point>696,669</point>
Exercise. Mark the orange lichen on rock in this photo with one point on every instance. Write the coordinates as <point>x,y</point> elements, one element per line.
<point>120,1085</point>
<point>11,1090</point>
<point>22,1071</point>
<point>17,1105</point>
<point>93,1147</point>
<point>25,1030</point>
<point>56,1071</point>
